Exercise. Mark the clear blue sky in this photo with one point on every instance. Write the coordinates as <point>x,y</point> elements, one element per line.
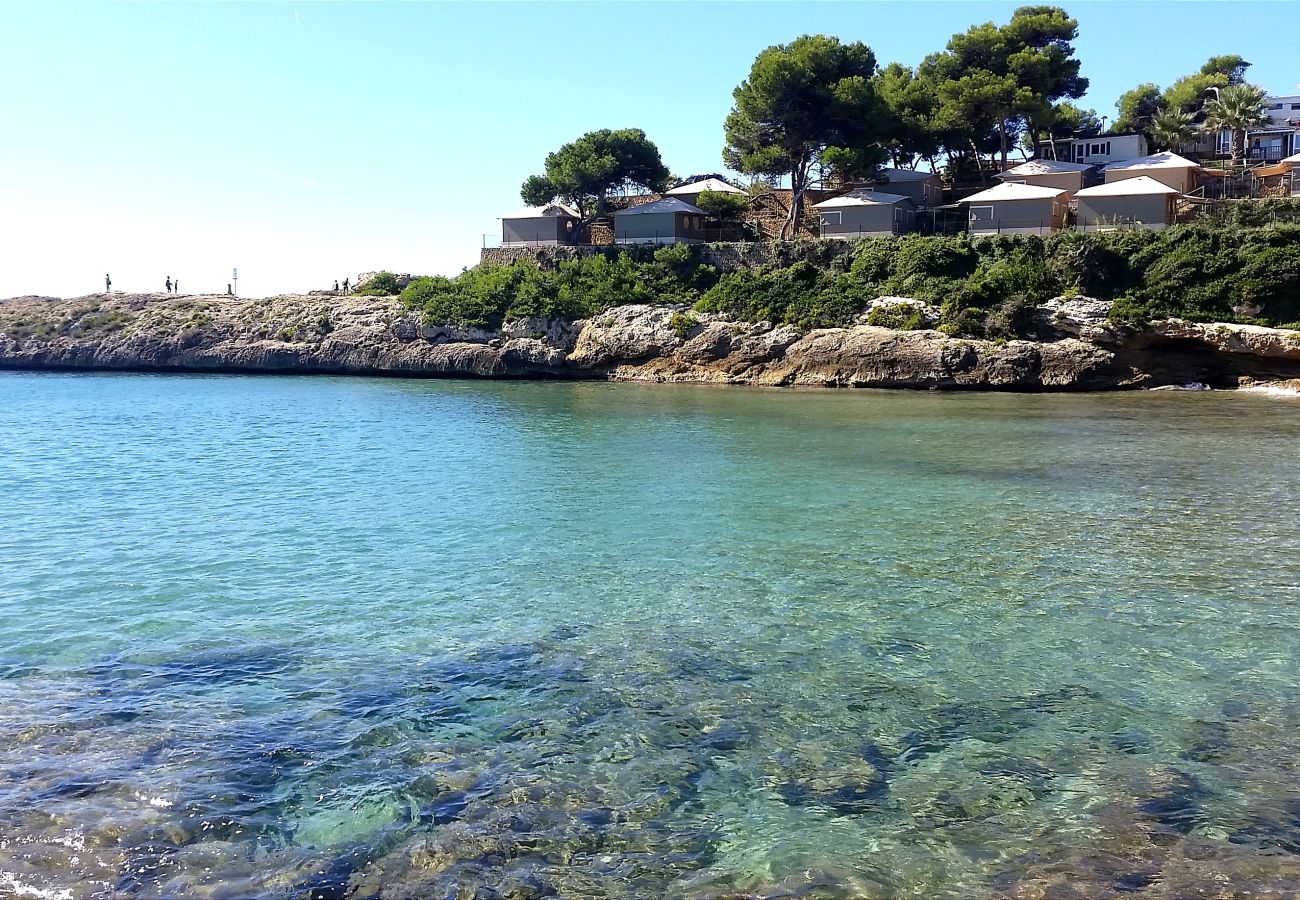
<point>304,142</point>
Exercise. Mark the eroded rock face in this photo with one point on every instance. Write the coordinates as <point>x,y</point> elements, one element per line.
<point>635,332</point>
<point>376,335</point>
<point>1081,317</point>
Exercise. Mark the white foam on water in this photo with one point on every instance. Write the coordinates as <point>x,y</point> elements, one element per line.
<point>73,840</point>
<point>9,882</point>
<point>160,802</point>
<point>1271,390</point>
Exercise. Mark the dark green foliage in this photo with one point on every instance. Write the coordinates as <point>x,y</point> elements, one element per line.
<point>682,325</point>
<point>724,206</point>
<point>1256,213</point>
<point>1014,318</point>
<point>487,295</point>
<point>801,100</point>
<point>900,317</point>
<point>988,286</point>
<point>585,171</point>
<point>381,284</point>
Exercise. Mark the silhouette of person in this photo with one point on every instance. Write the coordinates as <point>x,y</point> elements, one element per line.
<point>169,284</point>
<point>336,285</point>
<point>345,285</point>
<point>176,286</point>
<point>108,284</point>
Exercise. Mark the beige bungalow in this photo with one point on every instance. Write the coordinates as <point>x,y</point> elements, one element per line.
<point>1292,164</point>
<point>1051,173</point>
<point>1017,209</point>
<point>866,214</point>
<point>1167,168</point>
<point>1136,203</point>
<point>690,192</point>
<point>922,188</point>
<point>552,224</point>
<point>665,221</point>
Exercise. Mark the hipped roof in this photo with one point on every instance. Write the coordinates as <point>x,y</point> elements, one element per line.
<point>666,205</point>
<point>862,198</point>
<point>549,211</point>
<point>1128,187</point>
<point>705,184</point>
<point>1164,160</point>
<point>1046,167</point>
<point>1015,191</point>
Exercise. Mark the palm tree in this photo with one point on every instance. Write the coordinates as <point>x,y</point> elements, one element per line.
<point>1171,128</point>
<point>1234,109</point>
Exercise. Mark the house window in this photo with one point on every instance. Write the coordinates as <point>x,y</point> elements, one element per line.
<point>1276,106</point>
<point>1295,105</point>
<point>832,218</point>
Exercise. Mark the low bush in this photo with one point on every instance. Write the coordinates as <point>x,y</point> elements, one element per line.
<point>381,284</point>
<point>988,286</point>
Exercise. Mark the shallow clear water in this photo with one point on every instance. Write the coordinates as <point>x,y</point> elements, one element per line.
<point>348,638</point>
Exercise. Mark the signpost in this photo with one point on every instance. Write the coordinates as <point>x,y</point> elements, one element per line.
<point>234,277</point>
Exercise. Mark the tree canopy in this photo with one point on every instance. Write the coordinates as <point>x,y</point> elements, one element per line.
<point>586,171</point>
<point>997,82</point>
<point>1136,108</point>
<point>801,100</point>
<point>1189,95</point>
<point>1234,109</point>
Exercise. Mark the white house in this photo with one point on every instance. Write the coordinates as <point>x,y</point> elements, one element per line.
<point>1104,148</point>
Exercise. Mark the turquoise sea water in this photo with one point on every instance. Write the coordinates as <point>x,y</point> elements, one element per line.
<point>315,637</point>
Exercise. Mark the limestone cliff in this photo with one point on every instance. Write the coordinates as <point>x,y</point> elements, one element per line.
<point>1077,348</point>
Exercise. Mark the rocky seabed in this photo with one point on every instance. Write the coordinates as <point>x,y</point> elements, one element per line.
<point>552,769</point>
<point>1076,347</point>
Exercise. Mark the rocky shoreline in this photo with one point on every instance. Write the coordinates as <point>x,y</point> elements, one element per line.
<point>1076,348</point>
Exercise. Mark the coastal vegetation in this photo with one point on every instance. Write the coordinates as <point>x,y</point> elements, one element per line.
<point>381,284</point>
<point>981,287</point>
<point>586,171</point>
<point>819,112</point>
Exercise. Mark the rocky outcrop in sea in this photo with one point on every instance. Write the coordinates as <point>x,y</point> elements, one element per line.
<point>1075,347</point>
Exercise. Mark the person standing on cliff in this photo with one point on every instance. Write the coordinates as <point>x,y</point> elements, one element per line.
<point>108,284</point>
<point>169,284</point>
<point>176,286</point>
<point>345,285</point>
<point>336,285</point>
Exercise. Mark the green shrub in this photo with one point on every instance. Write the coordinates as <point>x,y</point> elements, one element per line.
<point>984,286</point>
<point>381,284</point>
<point>899,316</point>
<point>682,325</point>
<point>723,205</point>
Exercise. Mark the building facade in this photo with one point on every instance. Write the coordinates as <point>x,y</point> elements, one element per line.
<point>665,221</point>
<point>861,214</point>
<point>1104,148</point>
